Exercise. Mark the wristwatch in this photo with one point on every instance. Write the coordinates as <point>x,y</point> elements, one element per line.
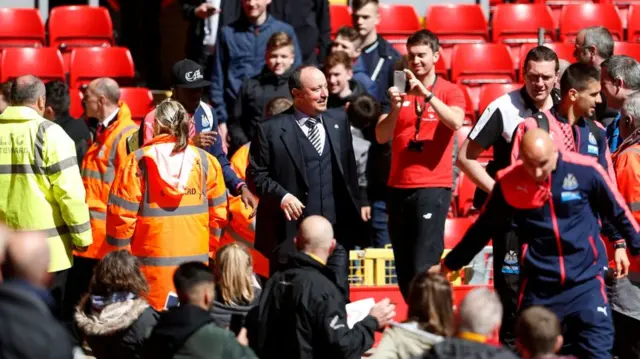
<point>428,98</point>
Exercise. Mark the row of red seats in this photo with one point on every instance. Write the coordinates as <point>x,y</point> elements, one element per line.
<point>139,99</point>
<point>465,23</point>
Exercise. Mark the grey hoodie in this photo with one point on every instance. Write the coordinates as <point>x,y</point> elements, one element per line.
<point>404,341</point>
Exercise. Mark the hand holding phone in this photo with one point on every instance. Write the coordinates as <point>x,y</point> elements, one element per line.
<point>400,81</point>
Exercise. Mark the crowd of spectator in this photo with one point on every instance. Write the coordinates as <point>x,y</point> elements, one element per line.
<point>220,226</point>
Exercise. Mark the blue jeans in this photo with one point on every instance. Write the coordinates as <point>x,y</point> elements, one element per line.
<point>379,231</point>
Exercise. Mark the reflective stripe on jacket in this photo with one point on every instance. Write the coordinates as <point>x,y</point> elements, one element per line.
<point>104,157</point>
<point>167,209</point>
<point>241,228</point>
<point>40,184</point>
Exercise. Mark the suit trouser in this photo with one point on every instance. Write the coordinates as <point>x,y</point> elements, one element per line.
<point>416,227</point>
<point>584,312</point>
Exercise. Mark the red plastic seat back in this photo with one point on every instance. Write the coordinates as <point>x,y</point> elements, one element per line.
<point>627,48</point>
<point>490,92</point>
<point>476,64</point>
<point>454,230</point>
<point>76,109</point>
<point>469,110</point>
<point>139,100</point>
<point>43,62</point>
<point>557,6</point>
<point>397,19</point>
<point>576,17</point>
<point>80,26</point>
<point>633,24</point>
<point>340,16</point>
<point>93,62</point>
<point>21,28</point>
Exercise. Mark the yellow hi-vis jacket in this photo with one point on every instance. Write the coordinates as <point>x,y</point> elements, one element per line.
<point>40,184</point>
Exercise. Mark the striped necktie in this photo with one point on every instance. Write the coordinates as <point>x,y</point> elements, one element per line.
<point>314,134</point>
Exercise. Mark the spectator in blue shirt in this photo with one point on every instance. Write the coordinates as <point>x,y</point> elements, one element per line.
<point>348,40</point>
<point>239,54</point>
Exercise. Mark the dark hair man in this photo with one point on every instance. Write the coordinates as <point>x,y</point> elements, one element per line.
<point>556,200</point>
<point>343,88</point>
<point>421,123</point>
<point>495,129</point>
<point>301,163</point>
<point>188,330</point>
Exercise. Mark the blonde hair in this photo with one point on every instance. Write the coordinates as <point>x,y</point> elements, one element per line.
<point>171,118</point>
<point>234,267</point>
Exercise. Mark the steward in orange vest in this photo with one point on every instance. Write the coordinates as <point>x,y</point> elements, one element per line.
<point>168,204</point>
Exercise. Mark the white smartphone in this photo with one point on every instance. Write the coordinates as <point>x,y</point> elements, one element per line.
<point>400,80</point>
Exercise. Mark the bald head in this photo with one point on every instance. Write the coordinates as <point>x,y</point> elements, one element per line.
<point>539,153</point>
<point>27,90</point>
<point>27,258</point>
<point>315,235</point>
<point>106,87</point>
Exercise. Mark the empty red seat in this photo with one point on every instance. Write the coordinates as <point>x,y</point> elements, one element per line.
<point>517,24</point>
<point>94,62</point>
<point>76,109</point>
<point>490,92</point>
<point>139,100</point>
<point>457,24</point>
<point>80,26</point>
<point>633,24</point>
<point>21,28</point>
<point>576,17</point>
<point>469,110</point>
<point>340,16</point>
<point>397,19</point>
<point>454,230</point>
<point>557,6</point>
<point>562,49</point>
<point>627,48</point>
<point>44,62</point>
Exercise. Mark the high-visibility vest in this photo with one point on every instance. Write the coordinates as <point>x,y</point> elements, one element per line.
<point>241,228</point>
<point>104,157</point>
<point>40,184</point>
<point>160,224</point>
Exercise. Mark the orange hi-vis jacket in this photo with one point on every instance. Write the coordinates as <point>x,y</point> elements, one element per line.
<point>626,163</point>
<point>167,209</point>
<point>241,228</point>
<point>103,158</point>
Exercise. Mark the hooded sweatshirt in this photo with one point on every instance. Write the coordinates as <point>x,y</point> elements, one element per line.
<point>188,332</point>
<point>404,340</point>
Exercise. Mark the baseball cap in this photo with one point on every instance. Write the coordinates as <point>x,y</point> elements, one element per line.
<point>188,74</point>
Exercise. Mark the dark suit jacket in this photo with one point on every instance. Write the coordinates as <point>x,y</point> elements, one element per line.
<point>276,167</point>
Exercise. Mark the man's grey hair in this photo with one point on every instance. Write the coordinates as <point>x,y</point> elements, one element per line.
<point>625,68</point>
<point>601,39</point>
<point>26,90</point>
<point>631,108</point>
<point>480,312</point>
<point>108,88</point>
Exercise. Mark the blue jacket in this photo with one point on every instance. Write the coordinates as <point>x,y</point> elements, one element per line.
<point>360,75</point>
<point>240,53</point>
<point>557,221</point>
<point>378,59</point>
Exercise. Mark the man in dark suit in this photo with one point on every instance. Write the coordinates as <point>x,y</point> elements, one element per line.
<point>301,163</point>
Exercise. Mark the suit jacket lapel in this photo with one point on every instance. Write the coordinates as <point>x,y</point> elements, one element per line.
<point>333,132</point>
<point>289,137</point>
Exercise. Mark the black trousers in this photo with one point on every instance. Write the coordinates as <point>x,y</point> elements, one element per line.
<point>58,292</point>
<point>416,228</point>
<point>77,285</point>
<point>626,341</point>
<point>506,280</point>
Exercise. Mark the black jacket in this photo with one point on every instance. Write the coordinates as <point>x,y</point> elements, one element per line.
<point>378,166</point>
<point>334,101</point>
<point>78,131</point>
<point>455,348</point>
<point>232,317</point>
<point>28,330</point>
<point>116,336</point>
<point>310,20</point>
<point>302,315</point>
<point>188,332</point>
<point>276,167</point>
<point>230,12</point>
<point>254,95</point>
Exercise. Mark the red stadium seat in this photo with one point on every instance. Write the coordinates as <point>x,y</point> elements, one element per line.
<point>340,16</point>
<point>633,24</point>
<point>470,109</point>
<point>456,24</point>
<point>490,92</point>
<point>623,8</point>
<point>627,48</point>
<point>44,62</point>
<point>477,64</point>
<point>576,17</point>
<point>139,100</point>
<point>454,230</point>
<point>80,26</point>
<point>562,49</point>
<point>21,28</point>
<point>557,6</point>
<point>93,62</point>
<point>397,19</point>
<point>517,24</point>
<point>76,109</point>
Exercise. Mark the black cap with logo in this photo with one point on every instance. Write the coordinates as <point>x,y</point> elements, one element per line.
<point>188,74</point>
